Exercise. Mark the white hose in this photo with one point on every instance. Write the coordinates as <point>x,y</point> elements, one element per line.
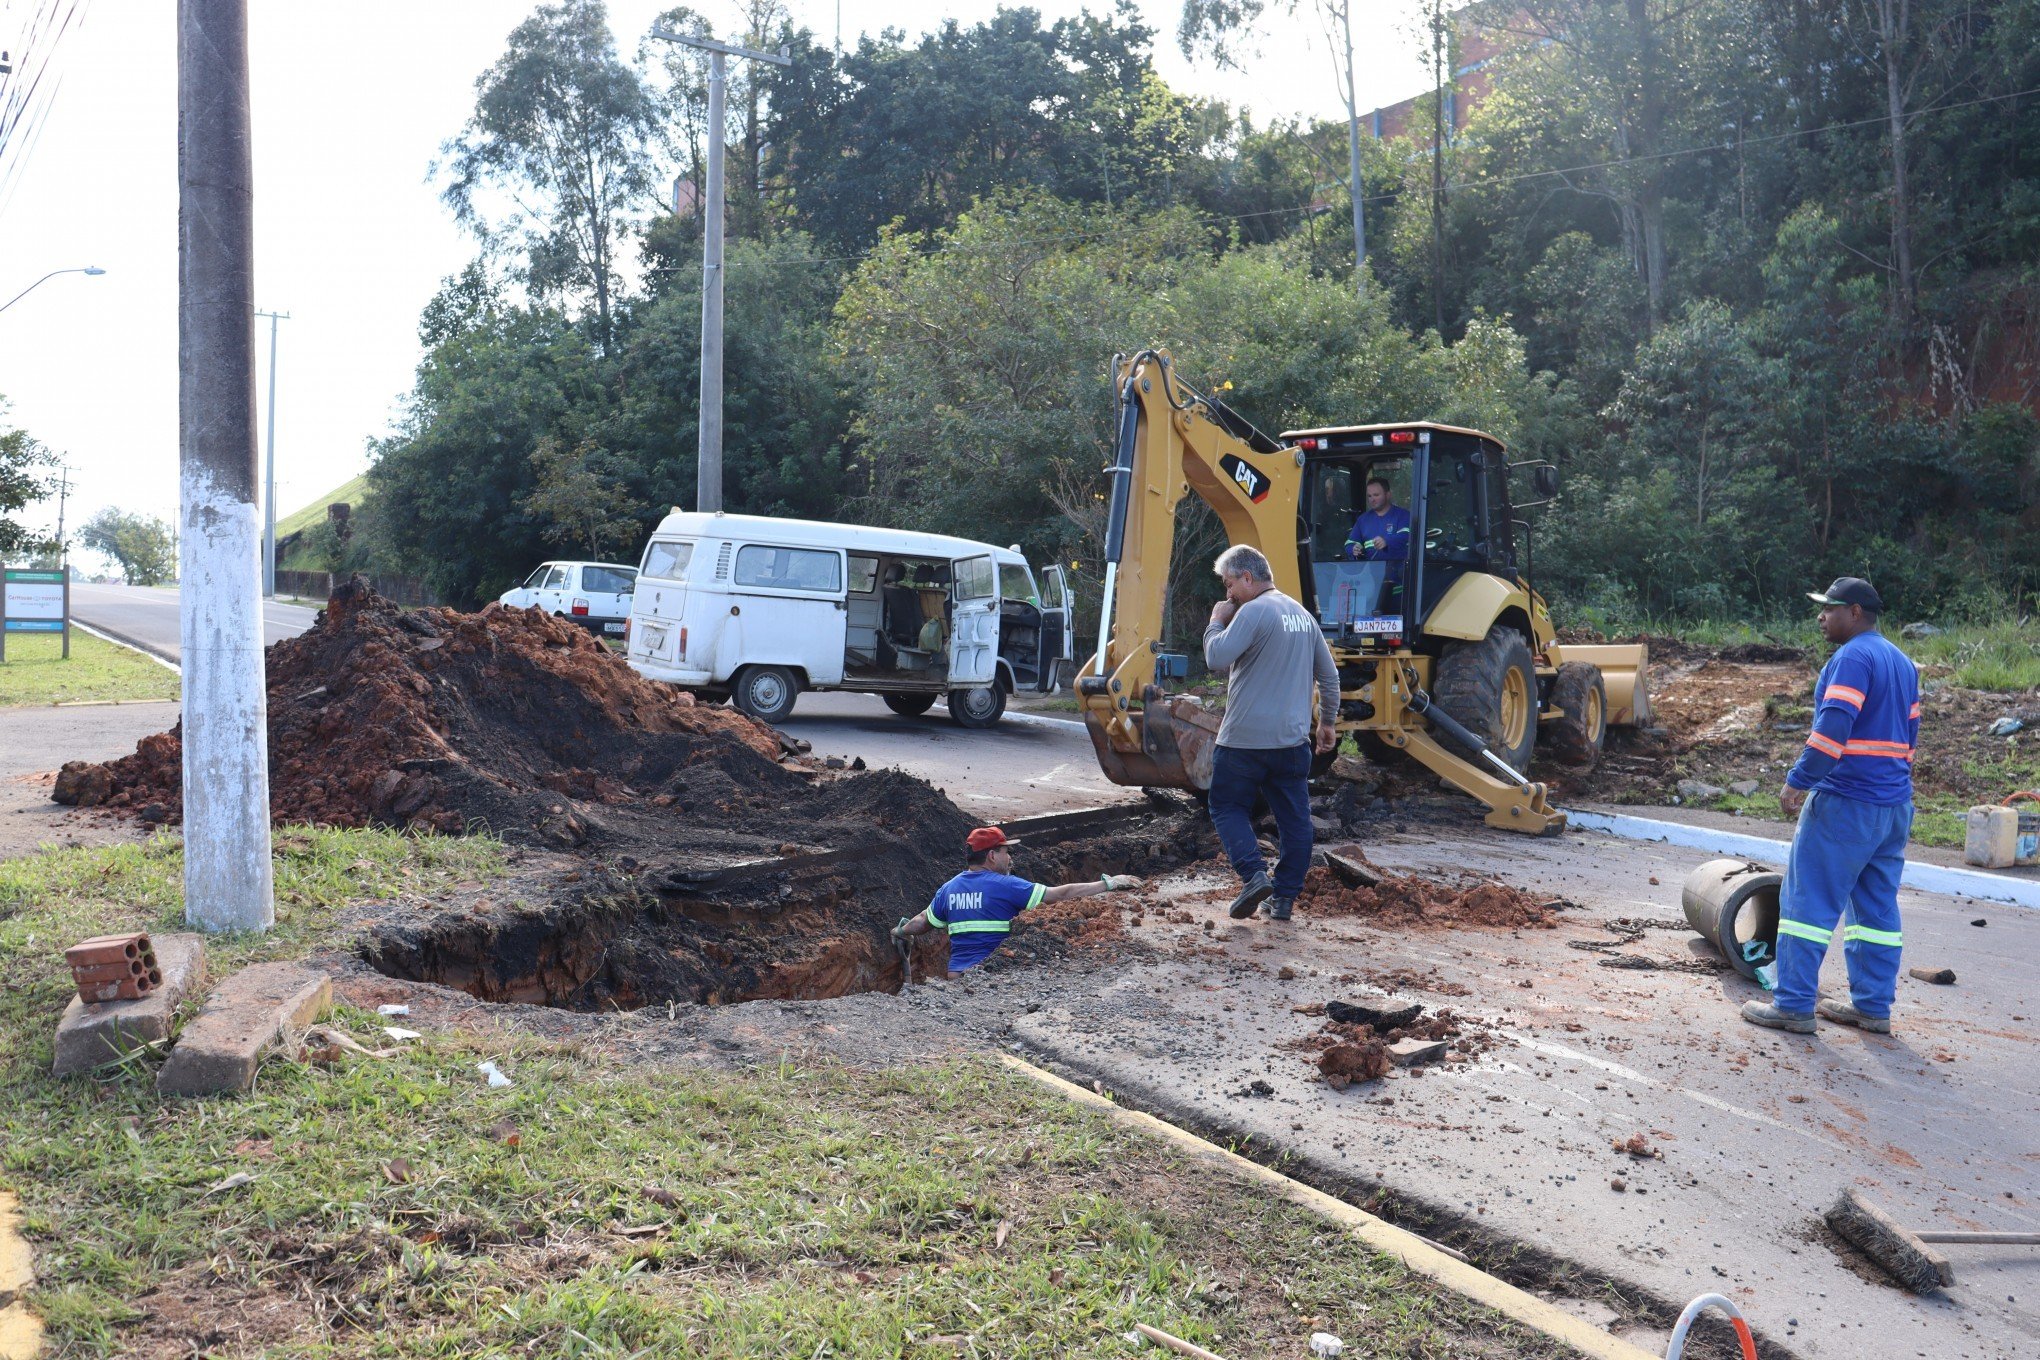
<point>1700,1305</point>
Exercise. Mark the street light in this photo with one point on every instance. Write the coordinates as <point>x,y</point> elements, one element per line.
<point>91,269</point>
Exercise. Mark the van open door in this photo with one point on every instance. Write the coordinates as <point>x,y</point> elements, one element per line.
<point>974,623</point>
<point>1057,645</point>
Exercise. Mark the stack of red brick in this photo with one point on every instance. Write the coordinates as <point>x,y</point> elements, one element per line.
<point>114,968</point>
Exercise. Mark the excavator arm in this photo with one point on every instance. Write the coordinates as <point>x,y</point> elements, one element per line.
<point>1172,441</point>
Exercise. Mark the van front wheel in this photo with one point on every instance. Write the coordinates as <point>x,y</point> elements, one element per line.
<point>980,707</point>
<point>767,692</point>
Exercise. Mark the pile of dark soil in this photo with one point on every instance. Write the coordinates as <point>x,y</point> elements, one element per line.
<point>506,720</point>
<point>1424,904</point>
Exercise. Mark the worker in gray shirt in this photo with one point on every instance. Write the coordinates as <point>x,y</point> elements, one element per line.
<point>1279,676</point>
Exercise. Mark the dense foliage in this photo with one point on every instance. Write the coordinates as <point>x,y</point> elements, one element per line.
<point>1757,276</point>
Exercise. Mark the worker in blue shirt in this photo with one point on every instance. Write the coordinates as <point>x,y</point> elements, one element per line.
<point>1852,793</point>
<point>1382,532</point>
<point>977,907</point>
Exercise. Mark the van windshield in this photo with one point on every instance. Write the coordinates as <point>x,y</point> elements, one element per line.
<point>1014,582</point>
<point>666,559</point>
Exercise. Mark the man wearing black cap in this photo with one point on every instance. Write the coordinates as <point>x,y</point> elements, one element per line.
<point>977,907</point>
<point>1852,793</point>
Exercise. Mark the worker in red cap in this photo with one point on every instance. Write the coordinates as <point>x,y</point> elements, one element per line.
<point>977,907</point>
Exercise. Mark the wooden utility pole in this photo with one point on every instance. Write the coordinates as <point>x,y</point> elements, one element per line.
<point>708,477</point>
<point>227,882</point>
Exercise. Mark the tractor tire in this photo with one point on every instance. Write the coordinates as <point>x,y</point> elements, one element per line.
<point>978,708</point>
<point>1576,738</point>
<point>909,705</point>
<point>1491,687</point>
<point>767,692</point>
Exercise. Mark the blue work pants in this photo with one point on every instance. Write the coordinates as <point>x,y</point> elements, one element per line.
<point>1847,856</point>
<point>1282,776</point>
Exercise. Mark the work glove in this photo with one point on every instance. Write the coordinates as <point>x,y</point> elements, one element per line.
<point>899,932</point>
<point>1120,882</point>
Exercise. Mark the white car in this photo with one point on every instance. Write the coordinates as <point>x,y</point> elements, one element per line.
<point>596,595</point>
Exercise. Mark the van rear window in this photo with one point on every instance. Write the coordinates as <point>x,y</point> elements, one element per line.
<point>667,558</point>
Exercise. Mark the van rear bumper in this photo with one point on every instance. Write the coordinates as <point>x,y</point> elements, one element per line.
<point>672,675</point>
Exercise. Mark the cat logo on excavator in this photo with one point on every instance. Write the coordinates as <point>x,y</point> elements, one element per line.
<point>1441,641</point>
<point>1249,479</point>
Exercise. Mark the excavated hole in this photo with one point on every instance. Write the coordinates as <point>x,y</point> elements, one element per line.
<point>810,927</point>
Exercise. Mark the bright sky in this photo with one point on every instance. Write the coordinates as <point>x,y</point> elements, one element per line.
<point>351,104</point>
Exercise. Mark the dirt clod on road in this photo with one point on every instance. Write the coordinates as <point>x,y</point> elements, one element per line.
<point>1416,903</point>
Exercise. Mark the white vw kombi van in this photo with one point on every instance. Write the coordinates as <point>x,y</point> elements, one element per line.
<point>758,609</point>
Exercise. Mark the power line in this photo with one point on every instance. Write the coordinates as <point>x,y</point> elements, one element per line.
<point>32,89</point>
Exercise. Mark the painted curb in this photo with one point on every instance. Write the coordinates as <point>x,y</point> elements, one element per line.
<point>1412,1251</point>
<point>1933,878</point>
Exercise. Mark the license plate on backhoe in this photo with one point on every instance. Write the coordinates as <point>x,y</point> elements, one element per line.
<point>1388,624</point>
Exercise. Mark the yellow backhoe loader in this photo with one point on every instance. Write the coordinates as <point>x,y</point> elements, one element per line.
<point>1448,639</point>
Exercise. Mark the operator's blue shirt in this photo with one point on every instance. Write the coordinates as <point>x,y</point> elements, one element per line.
<point>1393,527</point>
<point>977,908</point>
<point>1866,721</point>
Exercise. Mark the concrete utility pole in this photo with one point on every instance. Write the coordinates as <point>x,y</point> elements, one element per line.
<point>708,468</point>
<point>227,883</point>
<point>1353,156</point>
<point>269,470</point>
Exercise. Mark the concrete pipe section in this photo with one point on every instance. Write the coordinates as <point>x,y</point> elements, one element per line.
<point>1733,904</point>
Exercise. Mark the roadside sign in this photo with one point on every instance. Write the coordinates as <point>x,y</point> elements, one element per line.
<point>35,601</point>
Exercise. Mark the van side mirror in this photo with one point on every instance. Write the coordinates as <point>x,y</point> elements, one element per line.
<point>1545,479</point>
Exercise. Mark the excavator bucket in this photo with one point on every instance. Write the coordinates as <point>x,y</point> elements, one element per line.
<point>1625,674</point>
<point>1176,736</point>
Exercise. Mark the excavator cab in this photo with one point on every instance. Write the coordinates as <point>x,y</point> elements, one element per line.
<point>1411,553</point>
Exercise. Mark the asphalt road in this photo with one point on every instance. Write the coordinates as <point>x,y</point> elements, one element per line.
<point>147,617</point>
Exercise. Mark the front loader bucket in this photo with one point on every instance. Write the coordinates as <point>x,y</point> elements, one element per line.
<point>1176,736</point>
<point>1625,673</point>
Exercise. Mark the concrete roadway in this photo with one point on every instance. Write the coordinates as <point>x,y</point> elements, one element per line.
<point>1756,1131</point>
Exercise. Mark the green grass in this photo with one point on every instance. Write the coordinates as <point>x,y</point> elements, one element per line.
<point>2004,657</point>
<point>37,673</point>
<point>809,1210</point>
<point>1999,657</point>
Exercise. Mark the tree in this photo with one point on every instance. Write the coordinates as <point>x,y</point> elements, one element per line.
<point>21,458</point>
<point>143,545</point>
<point>1221,28</point>
<point>449,484</point>
<point>582,496</point>
<point>562,130</point>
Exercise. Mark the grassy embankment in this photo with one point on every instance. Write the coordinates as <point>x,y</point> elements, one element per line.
<point>36,672</point>
<point>401,1207</point>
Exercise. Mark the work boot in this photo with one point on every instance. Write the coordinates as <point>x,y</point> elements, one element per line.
<point>1770,1017</point>
<point>1253,895</point>
<point>1842,1013</point>
<point>1280,907</point>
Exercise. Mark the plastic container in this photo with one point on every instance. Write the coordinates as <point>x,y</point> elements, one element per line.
<point>1991,837</point>
<point>1733,905</point>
